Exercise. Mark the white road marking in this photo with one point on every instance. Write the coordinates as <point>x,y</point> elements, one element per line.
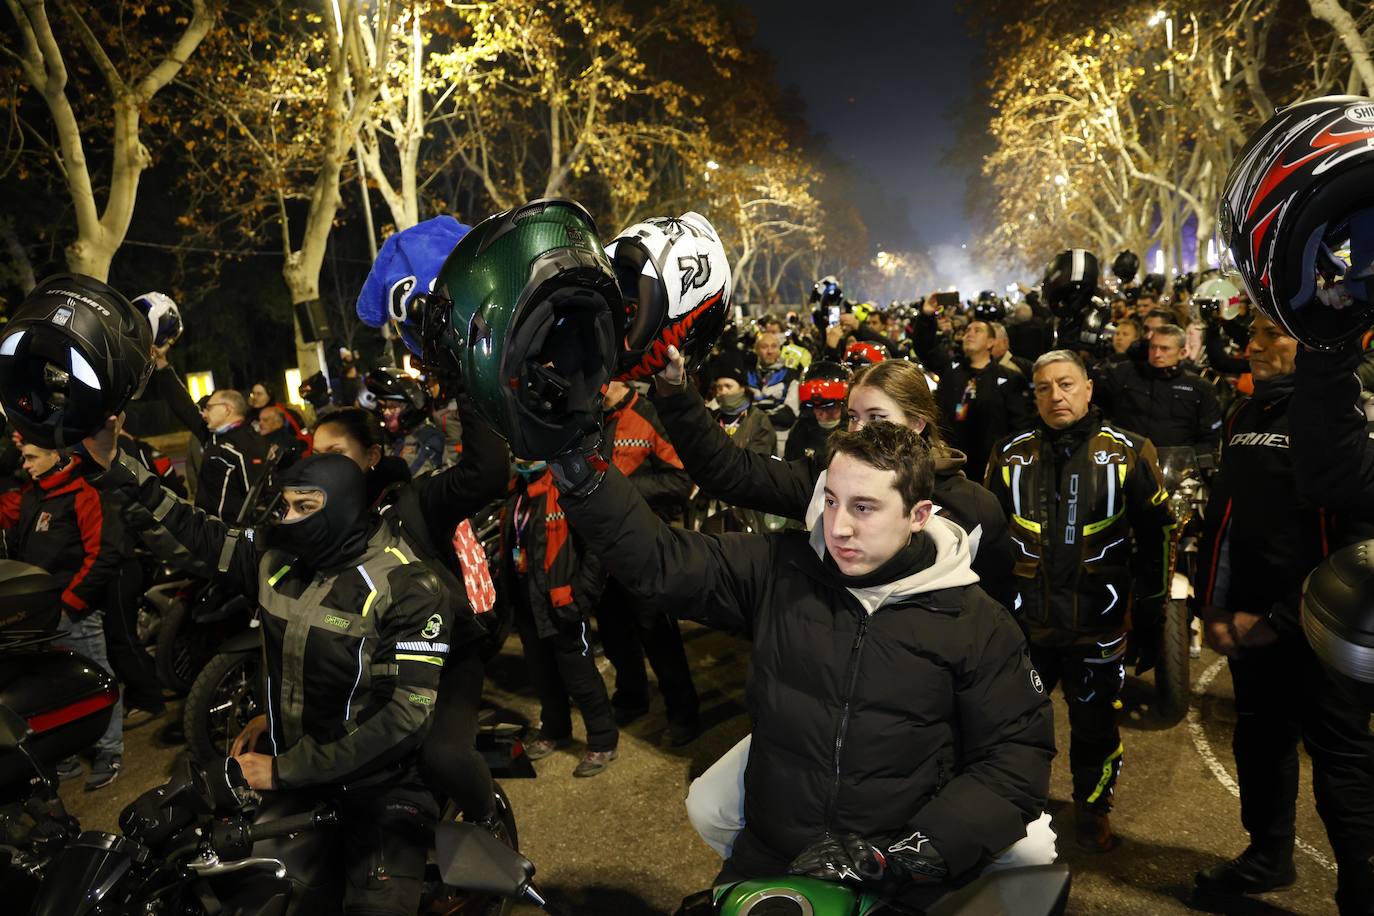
<point>1204,750</point>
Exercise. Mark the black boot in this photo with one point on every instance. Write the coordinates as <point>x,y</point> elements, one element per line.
<point>1251,872</point>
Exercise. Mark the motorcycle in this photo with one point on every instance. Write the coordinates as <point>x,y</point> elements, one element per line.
<point>1185,479</point>
<point>53,704</point>
<point>1039,890</point>
<point>188,847</point>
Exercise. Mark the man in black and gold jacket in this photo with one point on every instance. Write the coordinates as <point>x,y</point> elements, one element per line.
<point>1081,494</point>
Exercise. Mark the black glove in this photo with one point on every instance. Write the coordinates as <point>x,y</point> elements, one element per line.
<point>851,858</point>
<point>578,472</point>
<point>1147,634</point>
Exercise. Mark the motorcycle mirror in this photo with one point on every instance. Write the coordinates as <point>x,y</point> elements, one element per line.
<point>1037,890</point>
<point>472,859</point>
<point>13,729</point>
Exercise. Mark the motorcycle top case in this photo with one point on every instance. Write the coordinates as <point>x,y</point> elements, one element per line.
<point>64,697</point>
<point>28,597</point>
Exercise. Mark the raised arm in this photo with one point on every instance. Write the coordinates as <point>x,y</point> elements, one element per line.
<point>715,580</point>
<point>457,492</point>
<point>725,470</point>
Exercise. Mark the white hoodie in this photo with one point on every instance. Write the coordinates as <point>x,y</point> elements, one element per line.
<point>949,569</point>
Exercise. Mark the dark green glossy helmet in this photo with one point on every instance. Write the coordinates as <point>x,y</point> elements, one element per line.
<point>529,324</point>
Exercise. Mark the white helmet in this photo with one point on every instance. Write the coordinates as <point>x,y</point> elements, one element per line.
<point>675,281</point>
<point>163,317</point>
<point>1221,293</point>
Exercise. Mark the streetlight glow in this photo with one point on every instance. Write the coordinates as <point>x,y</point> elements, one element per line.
<point>712,164</point>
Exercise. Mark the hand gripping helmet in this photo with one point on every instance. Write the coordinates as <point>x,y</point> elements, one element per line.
<point>1070,282</point>
<point>1125,266</point>
<point>164,318</point>
<point>825,384</point>
<point>675,283</point>
<point>529,314</point>
<point>1338,611</point>
<point>73,355</point>
<point>385,388</point>
<point>1297,217</point>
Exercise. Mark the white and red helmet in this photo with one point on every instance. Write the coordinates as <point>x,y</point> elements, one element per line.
<point>1297,217</point>
<point>675,281</point>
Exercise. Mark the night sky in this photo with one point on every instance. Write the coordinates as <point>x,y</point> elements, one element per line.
<point>885,81</point>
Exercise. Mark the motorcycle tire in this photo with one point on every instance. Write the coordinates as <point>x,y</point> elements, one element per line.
<point>182,648</point>
<point>221,702</point>
<point>1173,689</point>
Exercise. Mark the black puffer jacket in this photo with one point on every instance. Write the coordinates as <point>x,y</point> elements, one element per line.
<point>787,488</point>
<point>924,717</point>
<point>1170,407</point>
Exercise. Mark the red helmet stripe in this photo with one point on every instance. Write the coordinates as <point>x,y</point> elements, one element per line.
<point>1323,143</point>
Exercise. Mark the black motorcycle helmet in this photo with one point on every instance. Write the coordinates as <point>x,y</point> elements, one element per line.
<point>827,292</point>
<point>1070,282</point>
<point>1338,611</point>
<point>1297,219</point>
<point>386,387</point>
<point>989,307</point>
<point>1153,284</point>
<point>75,352</point>
<point>1125,266</point>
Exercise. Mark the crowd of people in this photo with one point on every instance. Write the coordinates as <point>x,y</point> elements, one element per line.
<point>938,513</point>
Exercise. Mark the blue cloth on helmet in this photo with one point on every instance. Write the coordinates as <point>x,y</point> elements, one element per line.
<point>406,268</point>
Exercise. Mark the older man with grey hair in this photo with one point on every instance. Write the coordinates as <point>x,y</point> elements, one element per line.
<point>1160,398</point>
<point>1081,493</point>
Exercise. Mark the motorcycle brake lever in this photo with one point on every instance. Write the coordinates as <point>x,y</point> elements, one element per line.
<point>211,866</point>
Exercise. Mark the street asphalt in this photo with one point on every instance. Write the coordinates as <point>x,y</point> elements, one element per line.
<point>620,843</point>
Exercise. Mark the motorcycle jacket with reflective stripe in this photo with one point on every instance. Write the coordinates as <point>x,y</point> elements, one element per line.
<point>352,655</point>
<point>1076,499</point>
<point>351,659</point>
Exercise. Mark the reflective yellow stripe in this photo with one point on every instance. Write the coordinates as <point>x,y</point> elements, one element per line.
<point>276,576</point>
<point>1121,473</point>
<point>427,659</point>
<point>1006,475</point>
<point>1026,523</point>
<point>400,556</point>
<point>1159,497</point>
<point>1107,773</point>
<point>1104,523</point>
<point>367,605</point>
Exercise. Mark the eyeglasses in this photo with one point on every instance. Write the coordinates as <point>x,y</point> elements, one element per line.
<point>212,406</point>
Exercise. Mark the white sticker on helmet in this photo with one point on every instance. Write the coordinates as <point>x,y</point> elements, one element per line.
<point>11,344</point>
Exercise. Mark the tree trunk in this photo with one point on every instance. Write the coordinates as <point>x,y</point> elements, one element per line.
<point>1343,24</point>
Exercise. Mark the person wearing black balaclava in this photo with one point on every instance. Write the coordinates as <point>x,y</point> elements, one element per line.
<point>355,630</point>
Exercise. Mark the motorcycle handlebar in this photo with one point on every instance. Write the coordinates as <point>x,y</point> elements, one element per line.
<point>311,820</point>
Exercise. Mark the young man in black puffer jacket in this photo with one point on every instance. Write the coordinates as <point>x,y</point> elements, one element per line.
<point>900,733</point>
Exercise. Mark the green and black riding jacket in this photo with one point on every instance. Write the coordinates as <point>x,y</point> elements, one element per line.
<point>352,654</point>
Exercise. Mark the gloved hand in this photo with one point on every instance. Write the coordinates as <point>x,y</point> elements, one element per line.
<point>851,858</point>
<point>1147,634</point>
<point>578,472</point>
